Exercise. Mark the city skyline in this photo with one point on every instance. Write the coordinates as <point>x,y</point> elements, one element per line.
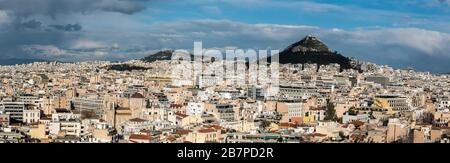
<point>224,71</point>
<point>397,33</point>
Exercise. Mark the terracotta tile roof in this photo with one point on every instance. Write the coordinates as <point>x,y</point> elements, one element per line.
<point>317,134</point>
<point>206,130</point>
<point>137,95</point>
<point>141,137</point>
<point>217,127</point>
<point>146,131</point>
<point>181,114</point>
<point>133,141</point>
<point>137,120</point>
<point>171,139</point>
<point>287,125</point>
<point>176,105</point>
<point>316,108</point>
<point>183,132</point>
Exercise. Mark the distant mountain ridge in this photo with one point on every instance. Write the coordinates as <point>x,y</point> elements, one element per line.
<point>14,61</point>
<point>311,50</point>
<point>163,56</point>
<point>159,56</point>
<point>308,44</point>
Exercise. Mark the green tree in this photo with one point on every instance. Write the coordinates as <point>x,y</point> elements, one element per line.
<point>352,111</point>
<point>330,113</point>
<point>264,124</point>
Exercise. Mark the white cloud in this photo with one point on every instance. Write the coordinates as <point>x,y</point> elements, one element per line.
<point>209,28</point>
<point>44,50</point>
<point>425,41</point>
<point>300,5</point>
<point>115,46</point>
<point>317,7</point>
<point>4,18</point>
<point>428,42</point>
<point>88,44</point>
<point>336,30</point>
<point>100,53</point>
<point>393,46</point>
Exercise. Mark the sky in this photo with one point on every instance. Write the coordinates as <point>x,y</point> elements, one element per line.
<point>399,33</point>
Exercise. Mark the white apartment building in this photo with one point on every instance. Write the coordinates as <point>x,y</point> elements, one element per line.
<point>396,102</point>
<point>225,112</point>
<point>207,81</point>
<point>88,104</point>
<point>294,92</point>
<point>136,125</point>
<point>295,109</point>
<point>70,128</point>
<point>64,116</point>
<point>29,99</point>
<point>31,116</point>
<point>229,94</point>
<point>195,108</point>
<point>351,118</point>
<point>66,122</point>
<point>13,108</point>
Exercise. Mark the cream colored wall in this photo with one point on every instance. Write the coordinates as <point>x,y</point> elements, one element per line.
<point>191,120</point>
<point>198,137</point>
<point>101,134</point>
<point>136,106</point>
<point>270,106</point>
<point>397,130</point>
<point>418,137</point>
<point>210,107</point>
<point>282,108</point>
<point>39,132</point>
<point>341,109</point>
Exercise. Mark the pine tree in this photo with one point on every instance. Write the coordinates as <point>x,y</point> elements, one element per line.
<point>330,113</point>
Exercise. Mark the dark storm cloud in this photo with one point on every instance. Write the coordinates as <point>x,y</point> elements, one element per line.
<point>53,8</point>
<point>19,33</point>
<point>34,24</point>
<point>68,27</point>
<point>31,24</point>
<point>42,24</point>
